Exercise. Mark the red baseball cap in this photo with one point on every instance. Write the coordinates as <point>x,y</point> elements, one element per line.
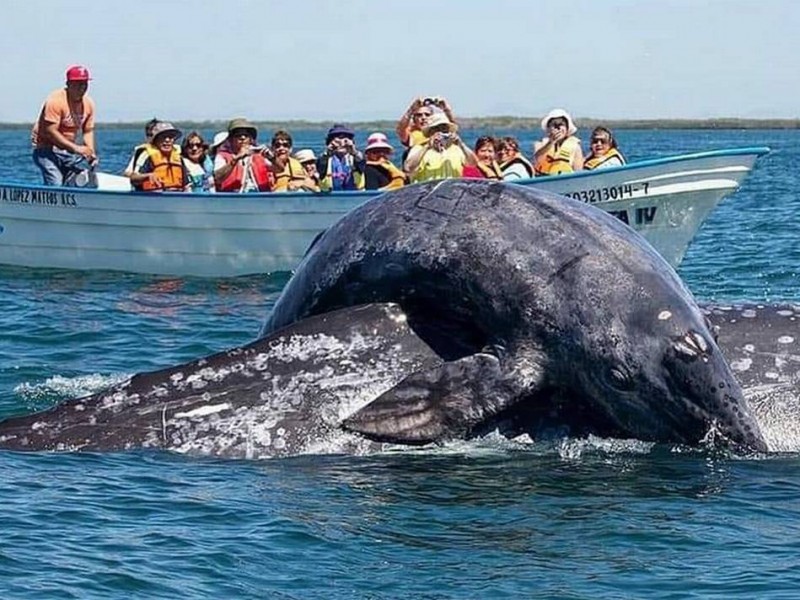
<point>78,73</point>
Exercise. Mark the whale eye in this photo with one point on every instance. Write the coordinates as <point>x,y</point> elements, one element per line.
<point>620,378</point>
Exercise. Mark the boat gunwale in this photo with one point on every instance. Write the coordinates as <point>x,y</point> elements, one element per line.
<point>756,151</point>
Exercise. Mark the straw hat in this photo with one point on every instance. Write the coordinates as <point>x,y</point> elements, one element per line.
<point>305,155</point>
<point>436,120</point>
<point>555,114</point>
<point>378,141</point>
<point>242,123</point>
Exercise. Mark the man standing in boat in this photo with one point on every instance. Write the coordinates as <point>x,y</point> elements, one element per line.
<point>63,135</point>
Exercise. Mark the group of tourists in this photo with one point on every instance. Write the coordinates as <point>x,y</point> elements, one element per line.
<point>234,161</point>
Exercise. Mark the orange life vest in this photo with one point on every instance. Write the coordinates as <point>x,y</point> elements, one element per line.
<point>557,160</point>
<point>169,169</point>
<point>235,179</point>
<point>293,171</point>
<point>592,162</point>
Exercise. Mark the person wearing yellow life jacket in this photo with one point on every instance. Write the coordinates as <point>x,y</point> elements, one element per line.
<point>443,156</point>
<point>289,174</point>
<point>604,152</point>
<point>379,171</point>
<point>486,166</point>
<point>160,166</point>
<point>238,166</point>
<point>341,166</point>
<point>513,164</point>
<point>308,160</point>
<point>559,152</point>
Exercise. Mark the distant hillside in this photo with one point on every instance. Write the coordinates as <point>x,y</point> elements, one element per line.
<point>503,122</point>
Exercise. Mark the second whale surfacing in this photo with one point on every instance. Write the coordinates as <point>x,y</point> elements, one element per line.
<point>449,310</point>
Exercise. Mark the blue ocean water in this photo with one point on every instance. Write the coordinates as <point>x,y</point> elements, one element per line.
<point>596,519</point>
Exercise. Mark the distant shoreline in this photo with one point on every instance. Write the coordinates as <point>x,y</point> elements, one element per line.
<point>502,122</point>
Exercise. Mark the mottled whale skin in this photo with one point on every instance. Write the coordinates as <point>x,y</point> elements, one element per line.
<point>283,395</point>
<point>762,345</point>
<point>527,296</point>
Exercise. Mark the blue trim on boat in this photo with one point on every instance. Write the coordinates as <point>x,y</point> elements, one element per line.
<point>756,150</point>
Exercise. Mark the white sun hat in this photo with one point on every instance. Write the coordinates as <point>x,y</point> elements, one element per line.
<point>555,114</point>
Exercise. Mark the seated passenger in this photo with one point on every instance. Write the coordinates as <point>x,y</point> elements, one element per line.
<point>513,164</point>
<point>198,163</point>
<point>289,174</point>
<point>159,167</point>
<point>559,152</point>
<point>442,156</point>
<point>379,171</point>
<point>237,166</point>
<point>148,137</point>
<point>308,160</point>
<point>604,152</point>
<point>219,138</point>
<point>341,166</point>
<point>486,166</point>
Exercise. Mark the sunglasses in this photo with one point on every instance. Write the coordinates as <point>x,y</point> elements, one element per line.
<point>195,145</point>
<point>600,141</point>
<point>242,135</point>
<point>282,144</point>
<point>557,124</point>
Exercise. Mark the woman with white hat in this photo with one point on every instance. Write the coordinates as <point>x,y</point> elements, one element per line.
<point>559,152</point>
<point>379,171</point>
<point>442,156</point>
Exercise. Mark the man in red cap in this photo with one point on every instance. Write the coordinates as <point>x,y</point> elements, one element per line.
<point>63,135</point>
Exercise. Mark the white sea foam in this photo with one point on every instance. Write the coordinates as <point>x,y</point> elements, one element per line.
<point>68,387</point>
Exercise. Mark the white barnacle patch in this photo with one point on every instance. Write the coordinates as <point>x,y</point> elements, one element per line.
<point>786,339</point>
<point>771,375</point>
<point>741,365</point>
<point>203,411</point>
<point>785,313</point>
<point>749,348</point>
<point>399,317</point>
<point>749,313</point>
<point>664,315</point>
<point>176,377</point>
<point>80,407</point>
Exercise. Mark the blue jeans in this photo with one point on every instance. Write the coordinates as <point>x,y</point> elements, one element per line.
<point>58,166</point>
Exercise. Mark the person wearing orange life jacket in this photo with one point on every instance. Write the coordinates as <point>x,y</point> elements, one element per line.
<point>559,152</point>
<point>604,152</point>
<point>160,166</point>
<point>513,164</point>
<point>238,166</point>
<point>379,171</point>
<point>290,175</point>
<point>486,166</point>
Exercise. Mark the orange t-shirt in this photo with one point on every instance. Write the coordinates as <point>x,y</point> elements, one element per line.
<point>56,109</point>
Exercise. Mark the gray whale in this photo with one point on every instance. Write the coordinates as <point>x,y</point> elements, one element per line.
<point>441,311</point>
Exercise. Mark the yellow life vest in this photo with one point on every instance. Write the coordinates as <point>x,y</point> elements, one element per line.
<point>557,160</point>
<point>416,137</point>
<point>490,171</point>
<point>397,178</point>
<point>169,169</point>
<point>440,165</point>
<point>592,162</point>
<point>326,179</point>
<point>293,171</point>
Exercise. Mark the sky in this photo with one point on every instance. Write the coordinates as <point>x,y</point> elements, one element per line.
<point>360,59</point>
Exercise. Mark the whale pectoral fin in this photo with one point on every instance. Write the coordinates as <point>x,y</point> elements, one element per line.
<point>444,402</point>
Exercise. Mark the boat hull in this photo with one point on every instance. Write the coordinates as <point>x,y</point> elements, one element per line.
<point>213,235</point>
